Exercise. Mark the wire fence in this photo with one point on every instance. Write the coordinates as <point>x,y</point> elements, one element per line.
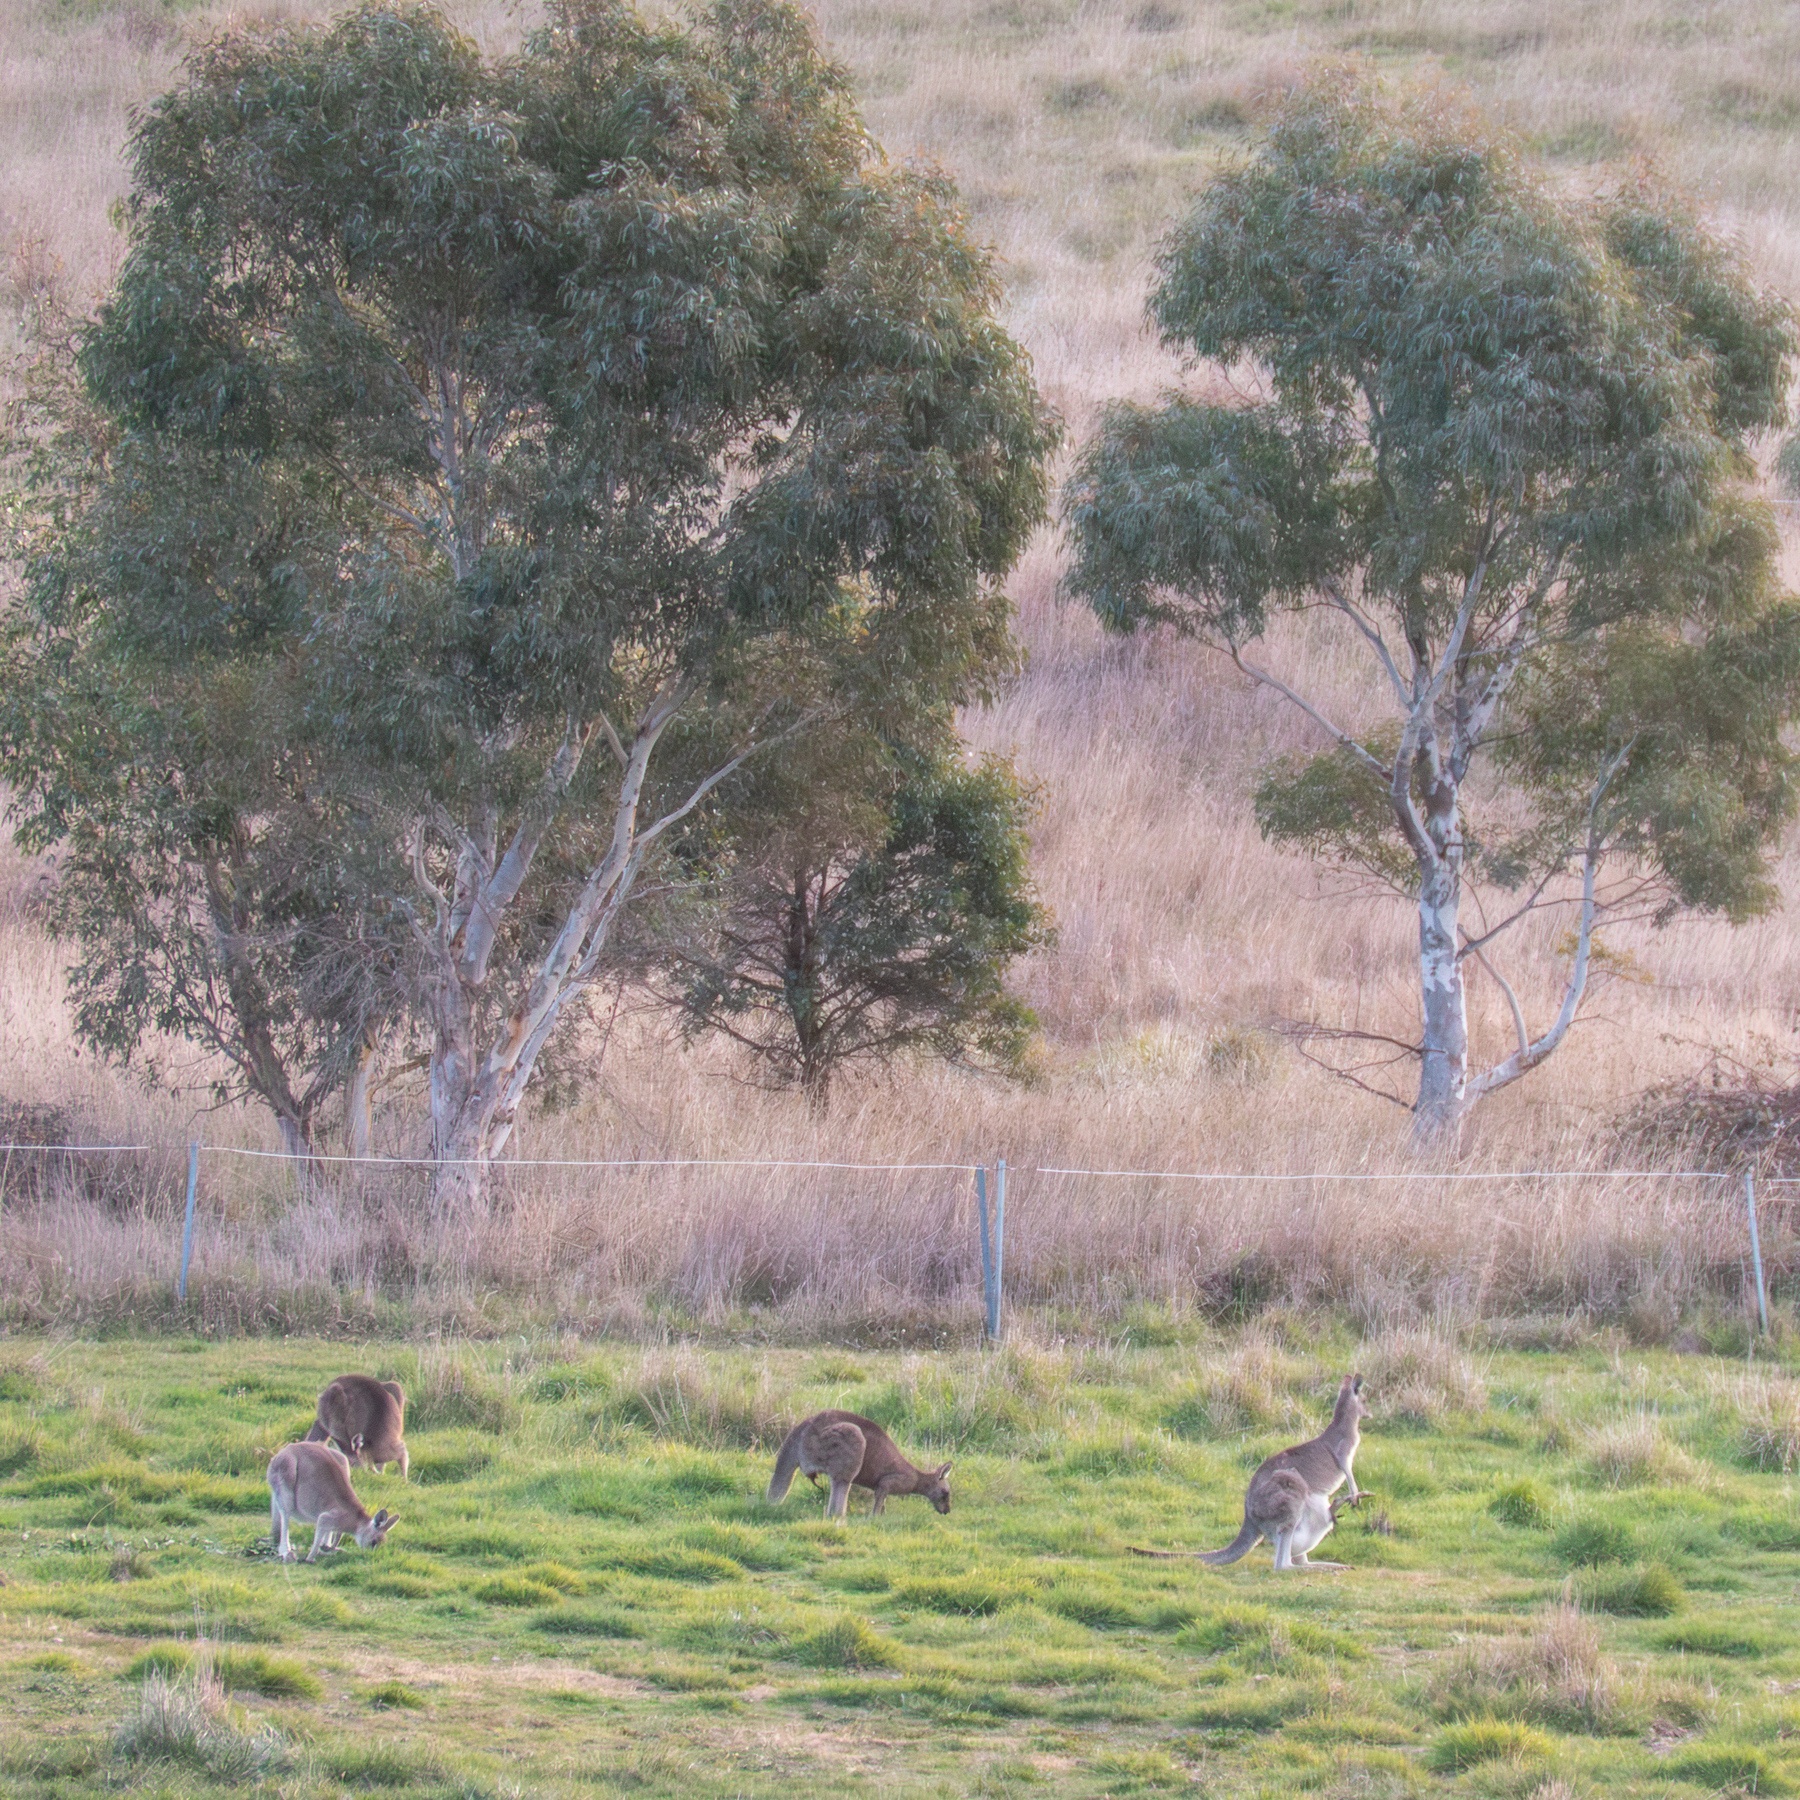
<point>992,1228</point>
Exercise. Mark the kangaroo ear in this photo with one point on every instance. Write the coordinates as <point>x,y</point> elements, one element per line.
<point>1356,1384</point>
<point>942,1473</point>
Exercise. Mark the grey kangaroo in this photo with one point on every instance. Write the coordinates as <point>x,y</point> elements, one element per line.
<point>854,1452</point>
<point>1289,1498</point>
<point>365,1419</point>
<point>309,1484</point>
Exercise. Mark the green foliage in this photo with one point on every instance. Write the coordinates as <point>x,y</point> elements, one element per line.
<point>1503,441</point>
<point>454,424</point>
<point>848,932</point>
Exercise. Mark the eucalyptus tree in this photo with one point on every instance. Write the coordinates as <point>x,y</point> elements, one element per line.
<point>1498,440</point>
<point>595,383</point>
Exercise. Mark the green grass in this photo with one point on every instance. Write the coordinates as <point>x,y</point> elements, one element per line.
<point>591,1606</point>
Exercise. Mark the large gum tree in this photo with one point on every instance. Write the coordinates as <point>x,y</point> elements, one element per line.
<point>588,391</point>
<point>1498,440</point>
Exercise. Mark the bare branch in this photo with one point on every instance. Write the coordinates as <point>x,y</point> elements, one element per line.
<point>1372,764</point>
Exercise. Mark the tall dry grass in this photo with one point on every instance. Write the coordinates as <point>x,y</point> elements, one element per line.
<point>1075,128</point>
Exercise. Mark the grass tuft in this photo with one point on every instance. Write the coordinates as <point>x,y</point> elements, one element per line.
<point>977,1596</point>
<point>1586,1543</point>
<point>1713,1637</point>
<point>1646,1592</point>
<point>1465,1746</point>
<point>1519,1503</point>
<point>846,1643</point>
<point>396,1694</point>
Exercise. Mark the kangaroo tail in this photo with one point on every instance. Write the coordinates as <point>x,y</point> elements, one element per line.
<point>787,1462</point>
<point>1239,1547</point>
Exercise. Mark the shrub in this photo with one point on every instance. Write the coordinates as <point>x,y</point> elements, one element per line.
<point>1463,1746</point>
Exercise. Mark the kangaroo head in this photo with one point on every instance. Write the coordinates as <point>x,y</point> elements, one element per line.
<point>939,1491</point>
<point>1351,1404</point>
<point>375,1532</point>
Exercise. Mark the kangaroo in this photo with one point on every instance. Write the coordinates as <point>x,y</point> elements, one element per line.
<point>310,1483</point>
<point>365,1419</point>
<point>1289,1498</point>
<point>854,1452</point>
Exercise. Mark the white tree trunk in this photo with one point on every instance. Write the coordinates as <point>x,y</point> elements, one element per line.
<point>476,1088</point>
<point>1444,1045</point>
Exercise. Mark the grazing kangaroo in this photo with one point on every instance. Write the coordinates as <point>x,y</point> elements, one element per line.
<point>310,1483</point>
<point>365,1419</point>
<point>1289,1498</point>
<point>854,1452</point>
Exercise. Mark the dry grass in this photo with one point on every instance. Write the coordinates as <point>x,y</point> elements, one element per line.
<point>1635,1452</point>
<point>1076,128</point>
<point>1558,1675</point>
<point>1767,1410</point>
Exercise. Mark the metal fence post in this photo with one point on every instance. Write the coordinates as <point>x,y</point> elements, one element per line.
<point>999,1243</point>
<point>187,1230</point>
<point>987,1255</point>
<point>1762,1293</point>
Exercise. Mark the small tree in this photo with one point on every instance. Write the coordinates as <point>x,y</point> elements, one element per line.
<point>575,381</point>
<point>1501,440</point>
<point>831,950</point>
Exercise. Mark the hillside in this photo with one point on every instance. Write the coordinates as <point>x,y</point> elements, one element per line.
<point>1075,131</point>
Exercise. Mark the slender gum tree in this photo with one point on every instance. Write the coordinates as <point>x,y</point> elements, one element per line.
<point>1500,440</point>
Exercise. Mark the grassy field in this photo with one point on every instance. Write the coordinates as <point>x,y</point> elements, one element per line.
<point>1575,1573</point>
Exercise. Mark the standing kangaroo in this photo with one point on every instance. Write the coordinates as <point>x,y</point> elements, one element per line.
<point>854,1452</point>
<point>1289,1498</point>
<point>310,1483</point>
<point>364,1418</point>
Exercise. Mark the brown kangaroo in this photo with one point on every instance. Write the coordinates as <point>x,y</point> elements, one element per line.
<point>854,1452</point>
<point>309,1483</point>
<point>1289,1498</point>
<point>364,1418</point>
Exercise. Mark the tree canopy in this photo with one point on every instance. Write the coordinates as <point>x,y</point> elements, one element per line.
<point>1501,439</point>
<point>511,433</point>
<point>861,923</point>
